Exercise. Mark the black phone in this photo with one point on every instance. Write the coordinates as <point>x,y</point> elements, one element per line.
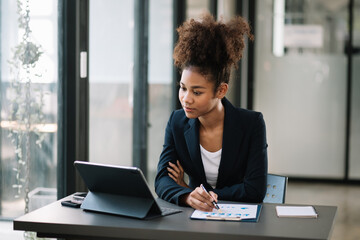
<point>69,203</point>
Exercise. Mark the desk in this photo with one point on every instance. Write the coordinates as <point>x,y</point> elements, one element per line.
<point>55,220</point>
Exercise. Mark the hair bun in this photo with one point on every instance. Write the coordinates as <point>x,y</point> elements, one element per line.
<point>208,43</point>
<point>212,47</point>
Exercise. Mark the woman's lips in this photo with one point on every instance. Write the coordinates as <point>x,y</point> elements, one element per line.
<point>187,109</point>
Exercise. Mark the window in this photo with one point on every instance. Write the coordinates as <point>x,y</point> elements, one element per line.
<point>111,33</point>
<point>301,86</point>
<point>160,79</point>
<point>28,91</point>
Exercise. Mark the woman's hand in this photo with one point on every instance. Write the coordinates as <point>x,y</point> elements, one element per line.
<point>200,200</point>
<point>176,172</point>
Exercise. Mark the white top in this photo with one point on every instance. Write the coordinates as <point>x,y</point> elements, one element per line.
<point>211,162</point>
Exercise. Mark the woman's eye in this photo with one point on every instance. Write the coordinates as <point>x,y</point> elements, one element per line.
<point>197,93</point>
<point>183,89</point>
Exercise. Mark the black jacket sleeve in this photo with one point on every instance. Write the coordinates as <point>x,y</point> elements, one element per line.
<point>165,187</point>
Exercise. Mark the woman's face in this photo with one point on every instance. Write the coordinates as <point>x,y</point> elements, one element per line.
<point>196,94</point>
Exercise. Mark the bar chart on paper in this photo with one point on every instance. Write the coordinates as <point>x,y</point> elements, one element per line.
<point>232,212</point>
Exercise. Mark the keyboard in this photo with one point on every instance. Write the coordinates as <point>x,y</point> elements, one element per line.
<point>167,211</point>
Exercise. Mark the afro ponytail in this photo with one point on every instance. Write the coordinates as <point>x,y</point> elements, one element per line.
<point>212,47</point>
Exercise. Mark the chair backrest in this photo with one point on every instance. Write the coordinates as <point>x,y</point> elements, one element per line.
<point>275,189</point>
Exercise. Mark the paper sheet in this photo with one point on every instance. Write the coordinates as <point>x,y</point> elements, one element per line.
<point>228,212</point>
<point>296,211</point>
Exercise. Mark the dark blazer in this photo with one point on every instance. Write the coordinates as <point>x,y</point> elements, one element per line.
<point>243,166</point>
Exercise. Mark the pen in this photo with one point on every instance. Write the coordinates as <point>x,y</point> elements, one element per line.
<point>215,204</point>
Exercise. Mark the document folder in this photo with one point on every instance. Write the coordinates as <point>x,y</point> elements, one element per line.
<point>231,212</point>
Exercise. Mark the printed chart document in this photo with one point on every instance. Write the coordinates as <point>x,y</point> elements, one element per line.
<point>296,211</point>
<point>231,212</point>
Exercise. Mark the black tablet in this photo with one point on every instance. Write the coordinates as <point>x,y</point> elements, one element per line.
<point>118,190</point>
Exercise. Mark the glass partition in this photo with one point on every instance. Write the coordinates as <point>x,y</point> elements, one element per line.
<point>28,97</point>
<point>111,33</point>
<point>301,84</point>
<point>159,79</point>
<point>194,8</point>
<point>354,166</point>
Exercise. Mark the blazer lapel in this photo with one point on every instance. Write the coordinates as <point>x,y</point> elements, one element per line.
<point>230,144</point>
<point>193,145</point>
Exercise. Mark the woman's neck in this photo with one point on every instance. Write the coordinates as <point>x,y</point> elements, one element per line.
<point>213,119</point>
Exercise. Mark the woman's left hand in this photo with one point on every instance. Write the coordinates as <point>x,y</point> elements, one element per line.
<point>176,172</point>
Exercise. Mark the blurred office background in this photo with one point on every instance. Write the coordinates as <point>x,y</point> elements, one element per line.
<point>104,86</point>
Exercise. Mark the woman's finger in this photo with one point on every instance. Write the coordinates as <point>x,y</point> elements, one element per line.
<point>173,178</point>
<point>203,196</point>
<point>174,173</point>
<point>214,196</point>
<point>174,167</point>
<point>179,166</point>
<point>197,202</point>
<point>201,205</point>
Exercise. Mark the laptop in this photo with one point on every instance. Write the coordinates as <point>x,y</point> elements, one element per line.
<point>119,190</point>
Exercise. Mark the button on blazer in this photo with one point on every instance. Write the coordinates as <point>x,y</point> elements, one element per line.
<point>243,165</point>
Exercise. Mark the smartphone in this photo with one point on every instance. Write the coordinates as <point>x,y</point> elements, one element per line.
<point>69,203</point>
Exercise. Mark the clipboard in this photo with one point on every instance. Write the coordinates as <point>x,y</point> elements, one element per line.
<point>238,214</point>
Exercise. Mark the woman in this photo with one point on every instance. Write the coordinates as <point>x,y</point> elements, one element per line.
<point>217,145</point>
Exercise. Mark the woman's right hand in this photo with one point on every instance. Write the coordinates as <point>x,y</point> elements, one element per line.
<point>200,200</point>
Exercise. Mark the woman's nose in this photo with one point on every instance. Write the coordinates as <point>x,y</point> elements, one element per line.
<point>187,98</point>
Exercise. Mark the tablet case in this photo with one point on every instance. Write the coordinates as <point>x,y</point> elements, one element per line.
<point>117,190</point>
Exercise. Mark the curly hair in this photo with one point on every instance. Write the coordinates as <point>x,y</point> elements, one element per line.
<point>211,47</point>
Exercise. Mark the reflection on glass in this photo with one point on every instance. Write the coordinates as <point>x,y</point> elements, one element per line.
<point>111,33</point>
<point>278,32</point>
<point>194,8</point>
<point>303,93</point>
<point>354,166</point>
<point>160,79</point>
<point>303,26</point>
<point>29,82</point>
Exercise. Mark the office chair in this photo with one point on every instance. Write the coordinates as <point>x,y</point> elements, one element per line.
<point>275,189</point>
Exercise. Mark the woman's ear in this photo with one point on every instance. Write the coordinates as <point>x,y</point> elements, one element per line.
<point>222,90</point>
